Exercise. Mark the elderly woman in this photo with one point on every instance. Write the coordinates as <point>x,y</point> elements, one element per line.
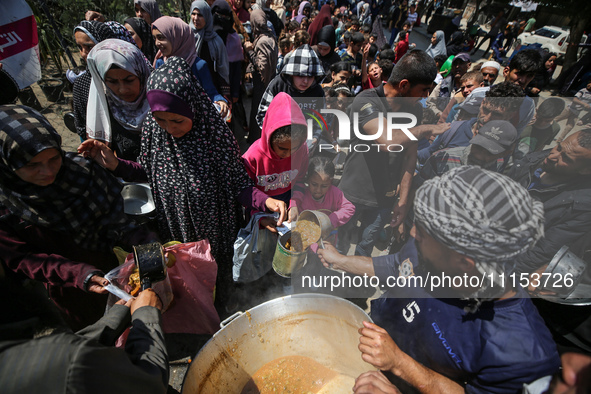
<point>61,216</point>
<point>117,104</point>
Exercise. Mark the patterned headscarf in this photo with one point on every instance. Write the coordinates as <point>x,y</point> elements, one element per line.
<point>483,215</point>
<point>197,177</point>
<point>102,101</point>
<point>95,30</point>
<point>84,201</point>
<point>120,32</point>
<point>215,44</point>
<point>151,7</point>
<point>142,29</point>
<point>178,33</point>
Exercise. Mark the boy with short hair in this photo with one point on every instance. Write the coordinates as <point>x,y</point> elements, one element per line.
<point>353,55</point>
<point>469,81</point>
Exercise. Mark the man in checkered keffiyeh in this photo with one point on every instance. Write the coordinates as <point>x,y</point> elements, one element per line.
<point>482,215</point>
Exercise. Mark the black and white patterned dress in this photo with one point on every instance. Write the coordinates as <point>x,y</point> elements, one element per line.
<point>197,178</point>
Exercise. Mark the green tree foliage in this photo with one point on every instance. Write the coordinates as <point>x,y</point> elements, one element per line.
<point>68,13</point>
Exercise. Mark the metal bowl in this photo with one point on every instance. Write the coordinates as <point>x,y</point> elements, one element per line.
<point>137,199</point>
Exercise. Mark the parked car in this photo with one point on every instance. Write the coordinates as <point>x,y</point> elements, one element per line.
<point>552,38</point>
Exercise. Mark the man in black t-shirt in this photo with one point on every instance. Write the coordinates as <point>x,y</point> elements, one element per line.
<point>376,167</point>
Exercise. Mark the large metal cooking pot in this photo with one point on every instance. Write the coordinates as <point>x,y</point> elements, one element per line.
<point>322,327</point>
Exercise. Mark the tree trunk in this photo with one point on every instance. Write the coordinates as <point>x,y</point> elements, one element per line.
<point>577,27</point>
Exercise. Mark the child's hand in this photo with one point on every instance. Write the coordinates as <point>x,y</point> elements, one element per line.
<point>292,214</point>
<point>268,223</point>
<point>274,205</point>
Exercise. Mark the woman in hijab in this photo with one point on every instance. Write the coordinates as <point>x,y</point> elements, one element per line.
<point>543,76</point>
<point>142,35</point>
<point>223,26</point>
<point>174,38</point>
<point>240,11</point>
<point>87,34</point>
<point>263,54</point>
<point>117,104</point>
<point>303,11</point>
<point>61,216</point>
<point>437,46</point>
<point>279,7</point>
<point>324,18</point>
<point>148,10</point>
<point>193,166</point>
<point>210,46</point>
<point>325,47</point>
<point>365,15</point>
<point>271,15</point>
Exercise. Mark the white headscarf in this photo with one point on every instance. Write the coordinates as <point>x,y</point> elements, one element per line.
<point>102,101</point>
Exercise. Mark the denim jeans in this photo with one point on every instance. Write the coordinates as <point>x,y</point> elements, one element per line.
<point>372,220</point>
<point>393,36</point>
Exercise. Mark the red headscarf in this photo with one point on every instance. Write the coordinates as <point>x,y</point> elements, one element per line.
<point>322,19</point>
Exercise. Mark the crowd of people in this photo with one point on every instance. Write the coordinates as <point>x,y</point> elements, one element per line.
<point>483,182</point>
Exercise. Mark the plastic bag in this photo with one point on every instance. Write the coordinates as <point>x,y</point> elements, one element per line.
<point>193,279</point>
<point>187,291</point>
<point>119,277</point>
<point>253,251</point>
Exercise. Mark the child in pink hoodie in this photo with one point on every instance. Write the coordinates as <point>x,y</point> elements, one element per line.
<point>322,194</point>
<point>278,160</point>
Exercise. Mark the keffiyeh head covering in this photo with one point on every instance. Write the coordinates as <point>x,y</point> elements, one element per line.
<point>303,62</point>
<point>217,49</point>
<point>102,101</point>
<point>151,7</point>
<point>178,33</point>
<point>439,47</point>
<point>142,29</point>
<point>483,215</point>
<point>197,177</point>
<point>84,201</point>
